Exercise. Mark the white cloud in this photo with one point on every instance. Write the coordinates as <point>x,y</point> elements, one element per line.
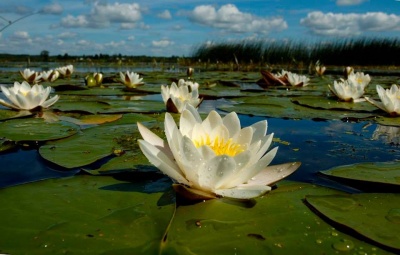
<point>229,18</point>
<point>339,24</point>
<point>52,9</point>
<point>162,43</point>
<point>165,15</point>
<point>103,15</point>
<point>349,2</point>
<point>131,38</point>
<point>67,35</point>
<point>74,22</point>
<point>22,35</point>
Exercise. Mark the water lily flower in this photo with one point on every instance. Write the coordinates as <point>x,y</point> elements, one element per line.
<point>50,75</point>
<point>347,71</point>
<point>189,72</point>
<point>131,79</point>
<point>177,96</point>
<point>24,97</point>
<point>214,157</point>
<point>66,71</point>
<point>30,76</point>
<point>347,91</point>
<point>94,80</point>
<point>271,79</point>
<point>297,80</point>
<point>319,69</point>
<point>360,78</point>
<point>390,100</point>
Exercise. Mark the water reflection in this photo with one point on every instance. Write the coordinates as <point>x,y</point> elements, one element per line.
<point>387,134</point>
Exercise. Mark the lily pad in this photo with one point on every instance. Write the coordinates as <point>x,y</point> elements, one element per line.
<point>36,129</point>
<point>388,121</point>
<point>91,145</point>
<point>326,103</point>
<point>283,107</point>
<point>370,176</point>
<point>278,223</point>
<point>84,214</point>
<point>375,216</point>
<point>111,106</point>
<point>9,114</point>
<point>93,119</point>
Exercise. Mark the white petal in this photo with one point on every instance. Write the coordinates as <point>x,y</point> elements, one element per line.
<point>8,105</point>
<point>190,161</point>
<point>272,174</point>
<point>244,193</point>
<point>260,129</point>
<point>244,136</point>
<point>246,174</point>
<point>51,101</point>
<point>216,171</point>
<point>212,121</point>
<point>187,121</point>
<point>232,122</point>
<point>162,162</point>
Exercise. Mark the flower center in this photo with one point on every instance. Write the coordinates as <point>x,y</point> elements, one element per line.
<point>219,145</point>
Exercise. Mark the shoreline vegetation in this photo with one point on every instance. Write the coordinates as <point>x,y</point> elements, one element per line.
<point>382,55</point>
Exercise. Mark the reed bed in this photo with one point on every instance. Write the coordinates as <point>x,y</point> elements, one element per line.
<point>342,52</point>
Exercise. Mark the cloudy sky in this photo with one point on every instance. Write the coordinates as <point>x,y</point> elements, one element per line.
<point>175,27</point>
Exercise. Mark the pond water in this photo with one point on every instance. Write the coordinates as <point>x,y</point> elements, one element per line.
<point>319,145</point>
<point>111,195</point>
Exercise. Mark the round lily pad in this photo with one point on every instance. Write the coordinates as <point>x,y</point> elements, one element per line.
<point>36,129</point>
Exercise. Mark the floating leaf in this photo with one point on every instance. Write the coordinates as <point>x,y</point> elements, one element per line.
<point>373,215</point>
<point>36,129</point>
<point>92,215</point>
<point>278,223</point>
<point>9,114</point>
<point>93,119</point>
<point>370,176</point>
<point>326,103</point>
<point>91,145</point>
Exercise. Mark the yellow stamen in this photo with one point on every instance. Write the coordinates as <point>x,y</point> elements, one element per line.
<point>220,146</point>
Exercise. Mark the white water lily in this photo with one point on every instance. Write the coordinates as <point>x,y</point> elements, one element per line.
<point>215,157</point>
<point>50,75</point>
<point>346,90</point>
<point>319,69</point>
<point>176,96</point>
<point>131,79</point>
<point>24,97</point>
<point>359,78</point>
<point>30,76</point>
<point>390,99</point>
<point>297,80</point>
<point>66,71</point>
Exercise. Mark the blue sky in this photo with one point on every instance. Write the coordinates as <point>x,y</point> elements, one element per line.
<point>165,28</point>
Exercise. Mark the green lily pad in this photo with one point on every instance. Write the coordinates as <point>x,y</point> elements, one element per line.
<point>9,114</point>
<point>326,103</point>
<point>111,106</point>
<point>376,216</point>
<point>7,145</point>
<point>388,121</point>
<point>95,119</point>
<point>36,129</point>
<point>92,107</point>
<point>92,144</point>
<point>278,223</point>
<point>375,176</point>
<point>86,215</point>
<point>283,107</point>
